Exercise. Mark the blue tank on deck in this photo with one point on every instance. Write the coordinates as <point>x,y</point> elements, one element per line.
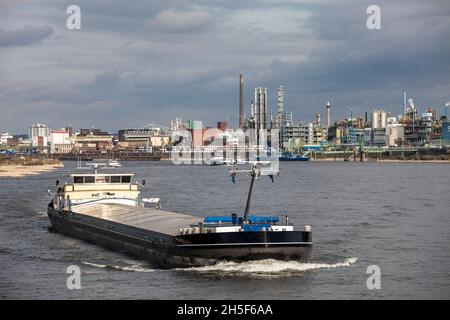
<point>238,220</point>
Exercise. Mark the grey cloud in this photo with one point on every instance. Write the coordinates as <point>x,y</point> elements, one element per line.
<point>172,20</point>
<point>25,36</point>
<point>118,72</point>
<point>107,78</point>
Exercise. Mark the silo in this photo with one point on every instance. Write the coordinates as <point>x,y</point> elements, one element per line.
<point>375,119</point>
<point>383,119</point>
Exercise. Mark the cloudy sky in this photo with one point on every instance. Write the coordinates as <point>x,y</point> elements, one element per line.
<point>136,62</point>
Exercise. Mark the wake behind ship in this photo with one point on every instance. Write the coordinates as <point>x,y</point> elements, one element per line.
<point>106,209</point>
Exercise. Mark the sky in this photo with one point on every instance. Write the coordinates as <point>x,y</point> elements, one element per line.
<point>137,62</point>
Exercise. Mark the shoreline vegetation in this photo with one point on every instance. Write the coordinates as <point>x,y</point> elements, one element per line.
<point>13,168</point>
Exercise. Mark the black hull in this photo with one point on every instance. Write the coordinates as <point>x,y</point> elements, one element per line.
<point>185,250</point>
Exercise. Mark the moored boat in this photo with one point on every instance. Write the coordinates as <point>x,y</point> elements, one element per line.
<point>288,156</point>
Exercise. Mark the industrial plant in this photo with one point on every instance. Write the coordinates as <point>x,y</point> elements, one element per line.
<point>412,135</point>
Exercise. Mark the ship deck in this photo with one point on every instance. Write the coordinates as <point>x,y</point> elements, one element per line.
<point>152,219</point>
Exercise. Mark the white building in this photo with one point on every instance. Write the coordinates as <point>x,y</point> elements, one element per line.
<point>392,120</point>
<point>394,133</point>
<point>4,138</point>
<point>39,135</point>
<point>60,142</point>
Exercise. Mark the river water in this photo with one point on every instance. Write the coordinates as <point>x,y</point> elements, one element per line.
<point>392,215</point>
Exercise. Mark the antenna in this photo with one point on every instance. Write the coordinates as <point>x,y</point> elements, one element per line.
<point>255,171</point>
<point>96,166</point>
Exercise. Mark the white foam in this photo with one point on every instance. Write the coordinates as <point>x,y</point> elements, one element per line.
<point>269,266</point>
<point>132,268</point>
<point>42,213</point>
<point>94,264</point>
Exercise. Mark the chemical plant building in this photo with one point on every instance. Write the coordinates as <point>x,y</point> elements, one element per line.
<point>381,130</point>
<point>293,135</point>
<point>146,139</point>
<point>92,141</point>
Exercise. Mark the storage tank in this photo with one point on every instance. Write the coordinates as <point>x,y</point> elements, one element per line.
<point>383,119</point>
<point>379,119</point>
<point>375,119</point>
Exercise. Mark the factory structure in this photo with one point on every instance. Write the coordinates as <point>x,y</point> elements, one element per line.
<point>293,135</point>
<point>379,128</point>
<point>376,129</point>
<point>259,118</point>
<point>385,130</point>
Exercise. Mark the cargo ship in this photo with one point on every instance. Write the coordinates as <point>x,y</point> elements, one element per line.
<point>107,209</point>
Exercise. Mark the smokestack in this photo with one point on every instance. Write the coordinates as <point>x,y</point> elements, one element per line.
<point>241,101</point>
<point>404,102</point>
<point>328,116</point>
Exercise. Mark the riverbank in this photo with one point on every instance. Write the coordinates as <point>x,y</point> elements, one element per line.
<point>381,160</point>
<point>414,161</point>
<point>11,169</point>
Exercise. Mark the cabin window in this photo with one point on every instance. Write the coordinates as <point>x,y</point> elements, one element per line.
<point>126,179</point>
<point>78,180</point>
<point>89,179</point>
<point>115,179</point>
<point>102,179</point>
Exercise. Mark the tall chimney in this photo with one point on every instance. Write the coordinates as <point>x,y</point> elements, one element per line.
<point>241,101</point>
<point>328,115</point>
<point>404,102</point>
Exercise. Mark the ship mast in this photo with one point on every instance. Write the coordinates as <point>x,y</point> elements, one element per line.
<point>255,171</point>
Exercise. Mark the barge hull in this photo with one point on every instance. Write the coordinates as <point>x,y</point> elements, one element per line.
<point>167,251</point>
